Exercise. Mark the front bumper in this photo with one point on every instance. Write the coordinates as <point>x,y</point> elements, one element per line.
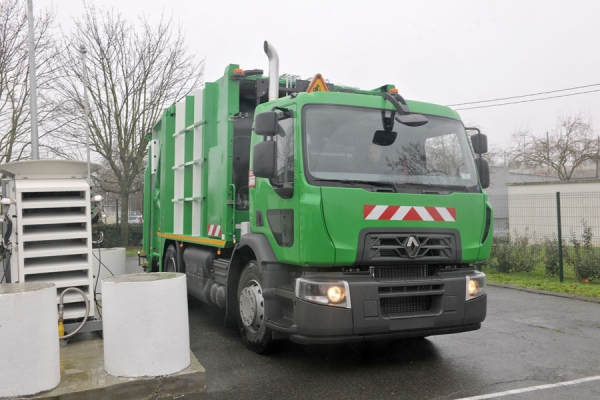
<point>301,339</point>
<point>390,310</point>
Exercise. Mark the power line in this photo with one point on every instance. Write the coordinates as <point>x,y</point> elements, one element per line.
<point>525,95</point>
<point>526,101</point>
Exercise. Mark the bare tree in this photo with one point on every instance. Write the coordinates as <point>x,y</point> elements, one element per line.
<point>15,124</point>
<point>497,155</point>
<point>563,150</point>
<point>135,69</point>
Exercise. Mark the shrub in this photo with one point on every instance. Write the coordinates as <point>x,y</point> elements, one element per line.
<point>585,261</point>
<point>551,261</point>
<point>514,254</point>
<point>500,257</point>
<point>522,253</point>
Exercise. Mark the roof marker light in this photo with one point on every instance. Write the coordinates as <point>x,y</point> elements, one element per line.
<point>237,75</point>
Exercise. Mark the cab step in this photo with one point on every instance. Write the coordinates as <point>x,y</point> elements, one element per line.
<point>282,324</point>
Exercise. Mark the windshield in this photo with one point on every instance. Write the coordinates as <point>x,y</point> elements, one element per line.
<point>350,144</point>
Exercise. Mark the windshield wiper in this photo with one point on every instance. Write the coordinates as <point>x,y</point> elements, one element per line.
<point>359,182</point>
<point>432,186</point>
<point>427,187</point>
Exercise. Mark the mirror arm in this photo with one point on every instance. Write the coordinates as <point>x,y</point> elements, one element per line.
<point>388,123</point>
<point>285,112</point>
<point>401,108</point>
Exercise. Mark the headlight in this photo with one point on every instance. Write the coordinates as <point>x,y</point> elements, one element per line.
<point>475,286</point>
<point>334,294</point>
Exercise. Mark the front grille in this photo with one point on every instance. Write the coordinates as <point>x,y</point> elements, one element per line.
<point>408,289</point>
<point>406,246</point>
<point>405,305</point>
<point>396,272</point>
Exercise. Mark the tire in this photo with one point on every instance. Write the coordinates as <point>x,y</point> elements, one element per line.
<point>250,310</point>
<point>170,259</point>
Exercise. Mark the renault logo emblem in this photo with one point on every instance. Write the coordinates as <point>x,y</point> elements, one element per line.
<point>412,246</point>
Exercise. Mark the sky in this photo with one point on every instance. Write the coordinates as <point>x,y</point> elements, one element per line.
<point>443,52</point>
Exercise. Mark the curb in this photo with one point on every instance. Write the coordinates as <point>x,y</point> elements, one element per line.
<point>545,292</point>
<point>83,377</point>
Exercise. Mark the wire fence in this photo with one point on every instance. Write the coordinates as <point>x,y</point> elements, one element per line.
<point>110,232</point>
<point>556,234</point>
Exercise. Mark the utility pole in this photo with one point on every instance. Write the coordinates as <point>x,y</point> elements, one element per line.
<point>86,106</point>
<point>597,148</point>
<point>35,152</point>
<point>548,151</point>
<point>524,149</point>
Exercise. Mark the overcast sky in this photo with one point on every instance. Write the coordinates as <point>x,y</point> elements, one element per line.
<point>443,52</point>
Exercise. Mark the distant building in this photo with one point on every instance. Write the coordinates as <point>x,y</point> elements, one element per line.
<point>500,176</point>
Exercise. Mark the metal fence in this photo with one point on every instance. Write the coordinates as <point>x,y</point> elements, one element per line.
<point>110,226</point>
<point>551,234</point>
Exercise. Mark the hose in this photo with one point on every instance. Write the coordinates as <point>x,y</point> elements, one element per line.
<point>61,309</point>
<point>5,264</point>
<point>7,234</point>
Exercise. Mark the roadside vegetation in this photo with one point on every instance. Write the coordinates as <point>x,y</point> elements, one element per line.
<point>520,261</point>
<point>132,251</point>
<point>540,281</point>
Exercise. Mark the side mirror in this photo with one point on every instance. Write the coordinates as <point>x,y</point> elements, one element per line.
<point>264,163</point>
<point>266,124</point>
<point>483,169</point>
<point>479,142</point>
<point>412,120</point>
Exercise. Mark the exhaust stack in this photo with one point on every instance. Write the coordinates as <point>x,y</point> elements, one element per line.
<point>273,71</point>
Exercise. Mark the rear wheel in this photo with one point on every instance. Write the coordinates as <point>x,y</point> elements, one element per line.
<point>170,260</point>
<point>251,310</point>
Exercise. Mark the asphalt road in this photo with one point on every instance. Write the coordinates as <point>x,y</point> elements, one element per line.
<point>527,340</point>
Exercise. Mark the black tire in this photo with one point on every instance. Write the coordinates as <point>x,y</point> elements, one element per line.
<point>250,310</point>
<point>170,259</point>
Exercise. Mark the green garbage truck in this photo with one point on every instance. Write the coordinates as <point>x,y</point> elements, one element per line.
<point>319,213</point>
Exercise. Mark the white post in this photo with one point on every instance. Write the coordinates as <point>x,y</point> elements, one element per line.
<point>35,153</point>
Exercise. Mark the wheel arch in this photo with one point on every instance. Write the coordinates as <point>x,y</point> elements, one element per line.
<point>166,245</point>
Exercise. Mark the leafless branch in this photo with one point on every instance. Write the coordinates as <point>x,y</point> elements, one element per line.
<point>562,151</point>
<point>135,70</point>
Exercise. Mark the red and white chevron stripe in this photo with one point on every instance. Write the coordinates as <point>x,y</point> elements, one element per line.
<point>409,213</point>
<point>214,230</point>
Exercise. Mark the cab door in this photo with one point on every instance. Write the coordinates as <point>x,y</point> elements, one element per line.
<point>274,201</point>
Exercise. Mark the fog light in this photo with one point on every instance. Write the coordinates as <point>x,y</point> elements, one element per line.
<point>475,285</point>
<point>335,294</point>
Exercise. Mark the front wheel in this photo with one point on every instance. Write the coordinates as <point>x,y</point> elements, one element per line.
<point>251,310</point>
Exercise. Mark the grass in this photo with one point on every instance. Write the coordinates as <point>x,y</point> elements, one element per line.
<point>537,280</point>
<point>132,251</point>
